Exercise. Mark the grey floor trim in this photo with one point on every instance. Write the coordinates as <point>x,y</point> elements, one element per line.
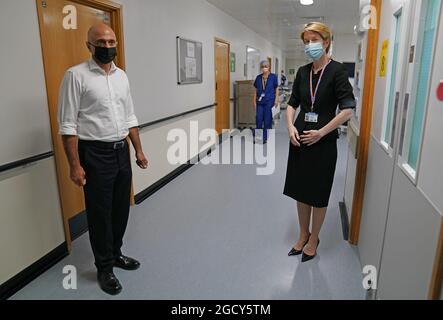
<point>344,220</point>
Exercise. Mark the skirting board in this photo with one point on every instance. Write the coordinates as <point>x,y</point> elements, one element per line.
<point>32,272</point>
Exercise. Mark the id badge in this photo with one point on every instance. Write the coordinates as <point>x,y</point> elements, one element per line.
<point>261,97</point>
<point>311,117</point>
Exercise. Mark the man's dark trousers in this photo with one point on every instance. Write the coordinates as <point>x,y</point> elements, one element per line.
<point>107,196</point>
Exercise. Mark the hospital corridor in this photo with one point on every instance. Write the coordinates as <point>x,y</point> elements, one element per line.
<point>206,153</point>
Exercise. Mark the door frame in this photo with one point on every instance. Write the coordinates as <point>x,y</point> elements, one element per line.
<point>116,12</point>
<point>365,126</point>
<point>270,65</point>
<point>435,288</point>
<point>217,39</point>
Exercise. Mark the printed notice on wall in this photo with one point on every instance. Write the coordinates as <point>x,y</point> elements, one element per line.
<point>191,50</point>
<point>191,68</point>
<point>384,58</point>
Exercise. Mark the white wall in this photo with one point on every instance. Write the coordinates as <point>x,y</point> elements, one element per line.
<point>23,101</point>
<point>30,214</point>
<point>31,223</point>
<point>151,28</point>
<point>156,147</point>
<point>345,46</point>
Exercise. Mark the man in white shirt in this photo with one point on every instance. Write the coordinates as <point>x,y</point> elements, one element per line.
<point>96,115</point>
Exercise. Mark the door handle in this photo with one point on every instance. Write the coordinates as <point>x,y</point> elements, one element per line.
<point>394,119</point>
<point>403,123</point>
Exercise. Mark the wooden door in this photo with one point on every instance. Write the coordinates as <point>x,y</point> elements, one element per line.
<point>222,85</point>
<point>270,64</point>
<point>63,49</point>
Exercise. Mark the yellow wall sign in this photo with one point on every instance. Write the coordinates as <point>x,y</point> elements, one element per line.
<point>384,58</point>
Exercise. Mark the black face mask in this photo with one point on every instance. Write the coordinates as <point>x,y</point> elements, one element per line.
<point>105,55</point>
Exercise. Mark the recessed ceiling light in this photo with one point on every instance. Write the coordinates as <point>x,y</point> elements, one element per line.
<point>307,2</point>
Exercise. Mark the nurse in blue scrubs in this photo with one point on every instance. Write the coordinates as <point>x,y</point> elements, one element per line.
<point>265,98</point>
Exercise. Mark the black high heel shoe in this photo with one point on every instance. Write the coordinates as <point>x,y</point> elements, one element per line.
<point>295,252</point>
<point>307,257</point>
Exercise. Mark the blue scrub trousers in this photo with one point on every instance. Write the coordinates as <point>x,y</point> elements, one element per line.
<point>264,118</point>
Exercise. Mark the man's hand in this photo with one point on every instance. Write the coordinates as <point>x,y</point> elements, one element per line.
<point>78,176</point>
<point>142,162</point>
<point>294,136</point>
<point>311,137</point>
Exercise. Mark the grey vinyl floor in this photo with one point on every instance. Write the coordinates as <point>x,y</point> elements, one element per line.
<point>220,232</point>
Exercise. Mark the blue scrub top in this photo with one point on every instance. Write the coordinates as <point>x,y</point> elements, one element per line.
<point>271,87</point>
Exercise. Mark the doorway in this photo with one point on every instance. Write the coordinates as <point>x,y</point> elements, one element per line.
<point>63,48</point>
<point>394,200</point>
<point>222,85</point>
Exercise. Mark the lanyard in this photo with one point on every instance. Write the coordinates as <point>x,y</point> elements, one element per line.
<point>264,83</point>
<point>314,93</point>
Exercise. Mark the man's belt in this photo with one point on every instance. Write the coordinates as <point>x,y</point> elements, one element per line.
<point>105,145</point>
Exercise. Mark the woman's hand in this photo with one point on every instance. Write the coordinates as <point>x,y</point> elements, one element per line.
<point>294,136</point>
<point>311,137</point>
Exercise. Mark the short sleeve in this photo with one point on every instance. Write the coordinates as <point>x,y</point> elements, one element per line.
<point>294,101</point>
<point>343,89</point>
<point>275,82</point>
<point>256,83</point>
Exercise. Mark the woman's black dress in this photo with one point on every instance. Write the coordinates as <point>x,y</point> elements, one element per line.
<point>311,170</point>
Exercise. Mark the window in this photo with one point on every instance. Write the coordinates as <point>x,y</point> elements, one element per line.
<point>410,149</point>
<point>392,102</point>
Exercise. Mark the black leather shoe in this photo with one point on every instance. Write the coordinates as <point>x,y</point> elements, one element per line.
<point>307,257</point>
<point>109,283</point>
<point>295,252</point>
<point>126,263</point>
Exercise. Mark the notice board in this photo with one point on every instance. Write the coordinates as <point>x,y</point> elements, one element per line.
<point>189,61</point>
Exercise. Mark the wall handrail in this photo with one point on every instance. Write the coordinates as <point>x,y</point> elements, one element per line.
<point>49,154</point>
<point>26,161</point>
<point>179,115</point>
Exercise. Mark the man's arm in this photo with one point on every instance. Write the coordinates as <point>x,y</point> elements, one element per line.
<point>70,144</point>
<point>134,135</point>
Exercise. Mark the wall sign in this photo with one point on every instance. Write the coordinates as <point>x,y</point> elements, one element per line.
<point>384,58</point>
<point>232,62</point>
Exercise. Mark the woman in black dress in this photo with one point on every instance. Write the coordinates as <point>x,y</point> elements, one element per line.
<point>318,89</point>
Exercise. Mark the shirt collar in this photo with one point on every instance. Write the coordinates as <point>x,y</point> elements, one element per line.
<point>94,66</point>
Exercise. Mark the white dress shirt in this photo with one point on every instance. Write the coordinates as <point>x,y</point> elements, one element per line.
<point>96,106</point>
